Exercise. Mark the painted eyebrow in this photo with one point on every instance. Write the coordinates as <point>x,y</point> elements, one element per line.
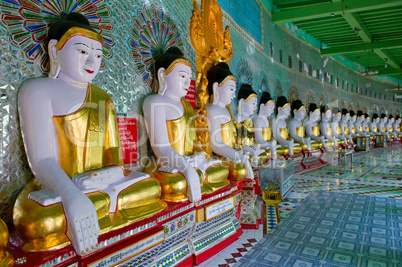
<point>81,44</point>
<point>99,49</point>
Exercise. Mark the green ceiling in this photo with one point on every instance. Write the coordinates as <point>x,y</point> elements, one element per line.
<point>368,32</point>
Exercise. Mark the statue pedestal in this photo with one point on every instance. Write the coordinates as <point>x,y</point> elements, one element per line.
<point>251,204</point>
<point>312,158</point>
<point>182,235</point>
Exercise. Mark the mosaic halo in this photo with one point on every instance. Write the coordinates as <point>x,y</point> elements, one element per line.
<point>243,73</point>
<point>28,21</point>
<point>153,31</point>
<point>264,85</point>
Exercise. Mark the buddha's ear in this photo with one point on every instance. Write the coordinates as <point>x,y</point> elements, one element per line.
<point>215,96</point>
<point>162,81</point>
<point>54,62</point>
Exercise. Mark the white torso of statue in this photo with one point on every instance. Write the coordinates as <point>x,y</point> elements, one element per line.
<point>397,124</point>
<point>374,124</point>
<point>334,126</point>
<point>261,122</point>
<point>366,126</point>
<point>359,126</point>
<point>343,124</point>
<point>390,125</point>
<point>352,125</point>
<point>296,122</point>
<point>63,93</point>
<point>218,115</point>
<point>280,123</point>
<point>382,126</point>
<point>324,125</point>
<point>313,122</point>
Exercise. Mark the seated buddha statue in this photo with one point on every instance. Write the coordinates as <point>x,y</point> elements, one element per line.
<point>397,126</point>
<point>224,140</point>
<point>81,188</point>
<point>335,127</point>
<point>359,129</point>
<point>344,125</point>
<point>382,125</point>
<point>280,126</point>
<point>390,126</point>
<point>183,173</point>
<point>325,126</point>
<point>313,129</point>
<point>246,106</point>
<point>374,124</point>
<point>296,127</point>
<point>263,131</point>
<point>351,124</point>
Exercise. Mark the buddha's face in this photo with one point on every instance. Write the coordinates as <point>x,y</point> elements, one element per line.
<point>346,117</point>
<point>80,58</point>
<point>250,106</point>
<point>226,92</point>
<point>315,115</point>
<point>367,120</point>
<point>384,120</point>
<point>300,114</point>
<point>377,120</point>
<point>353,119</point>
<point>327,115</point>
<point>337,116</point>
<point>178,80</point>
<point>267,109</point>
<point>284,111</point>
<point>360,119</point>
<point>398,120</point>
<point>391,120</point>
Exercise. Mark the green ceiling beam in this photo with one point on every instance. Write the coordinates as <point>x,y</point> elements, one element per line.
<point>389,71</point>
<point>355,22</point>
<point>326,10</point>
<point>390,59</point>
<point>345,49</point>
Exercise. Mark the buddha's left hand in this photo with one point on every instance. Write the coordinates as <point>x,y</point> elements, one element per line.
<point>99,178</point>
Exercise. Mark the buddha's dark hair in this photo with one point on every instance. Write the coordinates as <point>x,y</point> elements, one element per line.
<point>296,105</point>
<point>217,74</point>
<point>66,22</point>
<point>383,116</point>
<point>265,97</point>
<point>366,115</point>
<point>375,116</point>
<point>344,111</point>
<point>352,113</point>
<point>335,110</point>
<point>360,113</point>
<point>390,116</point>
<point>245,91</point>
<point>164,60</point>
<point>312,107</point>
<point>397,117</point>
<point>324,109</point>
<point>280,102</point>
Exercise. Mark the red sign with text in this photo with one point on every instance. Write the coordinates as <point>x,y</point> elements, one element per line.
<point>190,97</point>
<point>128,139</point>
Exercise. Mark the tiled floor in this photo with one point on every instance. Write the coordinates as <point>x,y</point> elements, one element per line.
<point>375,173</point>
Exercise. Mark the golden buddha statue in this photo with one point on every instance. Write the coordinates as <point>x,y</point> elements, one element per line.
<point>69,128</point>
<point>312,129</point>
<point>184,173</point>
<point>296,127</point>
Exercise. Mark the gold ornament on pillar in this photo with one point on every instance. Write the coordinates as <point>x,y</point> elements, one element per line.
<point>212,45</point>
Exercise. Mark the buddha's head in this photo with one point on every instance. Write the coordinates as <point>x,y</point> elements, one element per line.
<point>353,116</point>
<point>360,116</point>
<point>391,118</point>
<point>384,118</point>
<point>247,100</point>
<point>75,49</point>
<point>314,112</point>
<point>336,114</point>
<point>267,105</point>
<point>326,113</point>
<point>298,109</point>
<point>282,107</point>
<point>345,115</point>
<point>376,118</point>
<point>221,84</point>
<point>173,73</point>
<point>367,118</point>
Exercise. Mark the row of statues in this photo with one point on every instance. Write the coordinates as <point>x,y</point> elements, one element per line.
<point>81,188</point>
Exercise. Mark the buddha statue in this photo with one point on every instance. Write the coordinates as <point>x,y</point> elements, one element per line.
<point>224,140</point>
<point>397,126</point>
<point>351,124</point>
<point>81,188</point>
<point>296,127</point>
<point>359,129</point>
<point>263,130</point>
<point>184,174</point>
<point>390,126</point>
<point>313,129</point>
<point>280,126</point>
<point>382,125</point>
<point>325,126</point>
<point>246,107</point>
<point>374,124</point>
<point>366,127</point>
<point>344,125</point>
<point>335,127</point>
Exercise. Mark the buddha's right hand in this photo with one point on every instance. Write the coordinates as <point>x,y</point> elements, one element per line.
<point>193,184</point>
<point>82,222</point>
<point>99,178</point>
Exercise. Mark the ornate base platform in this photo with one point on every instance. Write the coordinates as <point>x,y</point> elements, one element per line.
<point>182,235</point>
<point>251,205</point>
